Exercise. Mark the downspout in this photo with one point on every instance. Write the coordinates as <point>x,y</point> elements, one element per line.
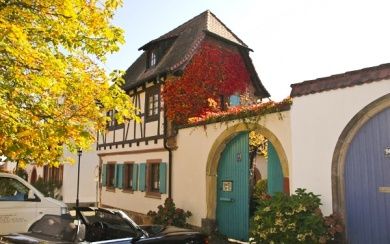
<point>169,156</point>
<point>99,181</point>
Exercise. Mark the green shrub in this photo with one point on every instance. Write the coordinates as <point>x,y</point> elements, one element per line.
<point>335,228</point>
<point>259,189</point>
<point>49,189</point>
<point>170,215</point>
<point>289,219</point>
<point>22,173</point>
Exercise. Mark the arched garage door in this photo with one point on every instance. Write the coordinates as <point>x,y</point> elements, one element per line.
<point>367,182</point>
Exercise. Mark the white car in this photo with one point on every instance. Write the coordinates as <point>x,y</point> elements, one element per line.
<point>21,204</point>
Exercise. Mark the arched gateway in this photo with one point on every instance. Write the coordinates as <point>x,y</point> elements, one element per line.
<point>227,179</point>
<point>361,174</point>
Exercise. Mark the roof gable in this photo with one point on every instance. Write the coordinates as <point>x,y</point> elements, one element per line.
<point>184,41</point>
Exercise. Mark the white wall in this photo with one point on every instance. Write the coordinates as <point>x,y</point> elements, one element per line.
<point>89,163</point>
<point>317,121</point>
<point>136,201</point>
<point>190,160</point>
<point>261,164</point>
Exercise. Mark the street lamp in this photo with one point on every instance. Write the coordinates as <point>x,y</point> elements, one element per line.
<point>79,152</point>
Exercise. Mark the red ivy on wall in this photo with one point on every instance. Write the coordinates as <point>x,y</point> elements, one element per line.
<point>213,72</point>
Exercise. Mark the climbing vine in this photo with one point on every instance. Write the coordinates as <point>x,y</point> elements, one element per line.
<point>214,72</point>
<point>248,113</point>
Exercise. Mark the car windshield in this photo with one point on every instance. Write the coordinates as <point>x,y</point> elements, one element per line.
<point>107,217</point>
<point>103,224</point>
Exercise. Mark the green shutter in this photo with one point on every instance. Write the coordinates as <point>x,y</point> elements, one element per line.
<point>142,176</point>
<point>115,176</point>
<point>163,178</point>
<point>119,176</point>
<point>135,176</point>
<point>104,173</point>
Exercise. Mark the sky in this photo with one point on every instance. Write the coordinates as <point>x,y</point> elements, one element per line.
<point>292,40</point>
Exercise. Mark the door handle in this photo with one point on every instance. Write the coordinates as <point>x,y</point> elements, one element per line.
<point>40,212</point>
<point>226,199</point>
<point>384,189</point>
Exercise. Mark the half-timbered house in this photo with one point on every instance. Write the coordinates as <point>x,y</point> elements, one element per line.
<point>137,159</point>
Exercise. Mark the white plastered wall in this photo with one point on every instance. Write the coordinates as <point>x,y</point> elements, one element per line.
<point>317,121</point>
<point>136,201</point>
<point>190,160</point>
<point>89,171</point>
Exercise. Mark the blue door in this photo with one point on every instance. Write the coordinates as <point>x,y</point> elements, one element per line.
<point>367,182</point>
<point>233,189</point>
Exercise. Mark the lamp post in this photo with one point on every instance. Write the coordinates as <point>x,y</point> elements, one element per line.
<point>79,152</point>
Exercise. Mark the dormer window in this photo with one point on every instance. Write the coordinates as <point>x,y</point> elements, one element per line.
<point>152,58</point>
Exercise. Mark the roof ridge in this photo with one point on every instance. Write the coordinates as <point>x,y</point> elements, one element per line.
<point>342,80</point>
<point>340,75</point>
<point>170,33</point>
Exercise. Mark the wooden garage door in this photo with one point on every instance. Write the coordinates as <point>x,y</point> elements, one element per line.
<point>367,182</point>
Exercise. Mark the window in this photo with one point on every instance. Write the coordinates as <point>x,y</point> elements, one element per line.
<point>234,100</point>
<point>152,58</point>
<point>154,178</point>
<point>53,174</point>
<point>12,190</point>
<point>152,103</point>
<point>110,180</point>
<point>113,123</point>
<point>128,180</point>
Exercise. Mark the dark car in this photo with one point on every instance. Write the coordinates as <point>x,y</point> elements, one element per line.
<point>101,225</point>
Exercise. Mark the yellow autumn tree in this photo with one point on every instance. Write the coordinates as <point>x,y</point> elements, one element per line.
<point>53,93</point>
<point>258,143</point>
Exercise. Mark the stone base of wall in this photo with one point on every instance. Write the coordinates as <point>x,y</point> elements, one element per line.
<point>209,226</point>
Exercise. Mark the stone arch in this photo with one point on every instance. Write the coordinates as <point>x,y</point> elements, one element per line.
<point>342,146</point>
<point>219,146</point>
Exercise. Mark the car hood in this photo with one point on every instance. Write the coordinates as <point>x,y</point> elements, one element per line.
<point>27,238</point>
<point>56,202</point>
<point>160,230</point>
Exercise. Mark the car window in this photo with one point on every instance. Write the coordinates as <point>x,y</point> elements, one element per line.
<point>12,190</point>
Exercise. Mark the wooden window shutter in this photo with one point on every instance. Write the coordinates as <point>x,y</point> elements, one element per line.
<point>142,177</point>
<point>115,176</point>
<point>163,178</point>
<point>135,176</point>
<point>104,174</point>
<point>119,176</point>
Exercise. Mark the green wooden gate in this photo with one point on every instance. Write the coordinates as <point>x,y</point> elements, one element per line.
<point>275,172</point>
<point>233,189</point>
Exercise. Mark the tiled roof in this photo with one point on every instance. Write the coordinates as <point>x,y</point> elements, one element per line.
<point>348,79</point>
<point>205,21</point>
<point>184,39</point>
